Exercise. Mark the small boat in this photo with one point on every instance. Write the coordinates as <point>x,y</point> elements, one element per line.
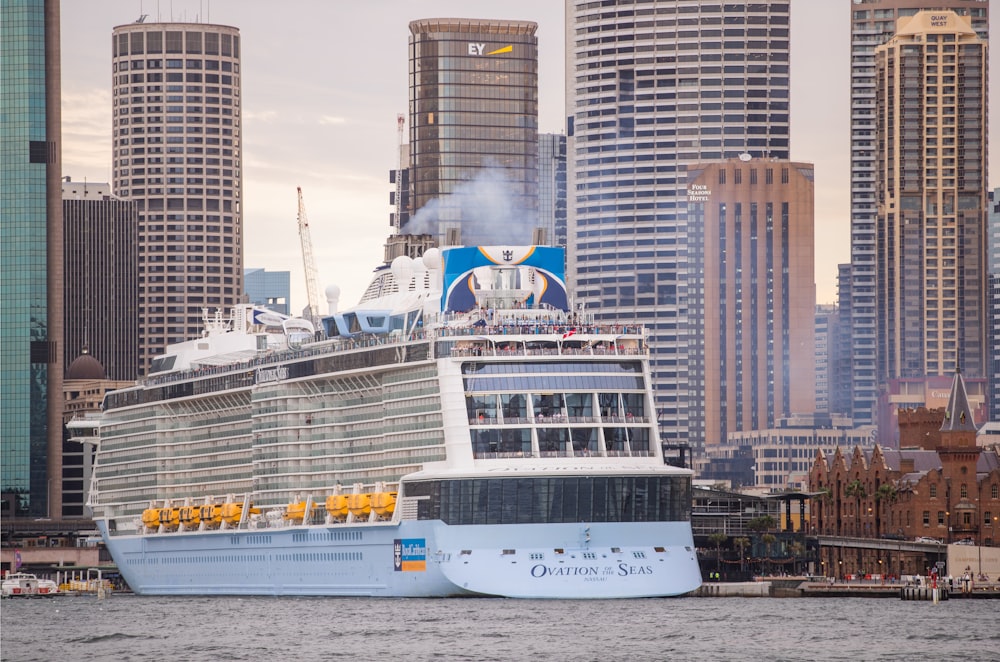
<point>23,584</point>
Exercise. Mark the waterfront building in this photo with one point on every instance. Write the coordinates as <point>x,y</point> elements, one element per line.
<point>271,289</point>
<point>652,88</point>
<point>177,143</point>
<point>751,292</point>
<point>938,484</point>
<point>873,22</point>
<point>102,278</point>
<point>473,131</point>
<point>31,271</point>
<point>552,188</point>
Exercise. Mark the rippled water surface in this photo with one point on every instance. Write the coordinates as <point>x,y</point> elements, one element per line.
<point>125,627</point>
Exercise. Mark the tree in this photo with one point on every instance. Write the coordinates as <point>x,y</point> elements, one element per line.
<point>768,539</point>
<point>762,523</point>
<point>741,544</point>
<point>717,539</point>
<point>885,496</point>
<point>856,489</point>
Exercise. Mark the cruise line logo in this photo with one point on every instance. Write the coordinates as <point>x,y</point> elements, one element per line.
<point>409,554</point>
<point>479,49</point>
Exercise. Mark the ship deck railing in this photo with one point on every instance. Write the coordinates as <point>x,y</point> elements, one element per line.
<point>557,419</point>
<point>565,331</point>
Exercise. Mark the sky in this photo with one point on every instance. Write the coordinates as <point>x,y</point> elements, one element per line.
<point>324,80</point>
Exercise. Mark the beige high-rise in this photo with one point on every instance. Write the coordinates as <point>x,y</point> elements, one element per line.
<point>751,282</point>
<point>177,153</point>
<point>931,198</point>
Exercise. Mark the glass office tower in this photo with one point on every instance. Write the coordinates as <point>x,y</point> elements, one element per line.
<point>473,131</point>
<point>31,326</point>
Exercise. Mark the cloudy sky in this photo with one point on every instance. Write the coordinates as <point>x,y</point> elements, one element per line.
<point>323,82</point>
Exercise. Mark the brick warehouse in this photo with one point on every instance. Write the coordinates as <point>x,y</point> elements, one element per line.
<point>939,484</point>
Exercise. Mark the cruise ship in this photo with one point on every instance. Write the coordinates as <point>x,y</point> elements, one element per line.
<point>460,432</point>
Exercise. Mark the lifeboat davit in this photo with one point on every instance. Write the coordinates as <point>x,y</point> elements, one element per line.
<point>232,513</point>
<point>384,503</point>
<point>336,506</point>
<point>295,512</point>
<point>360,505</point>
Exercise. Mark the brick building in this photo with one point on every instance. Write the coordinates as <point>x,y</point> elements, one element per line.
<point>939,484</point>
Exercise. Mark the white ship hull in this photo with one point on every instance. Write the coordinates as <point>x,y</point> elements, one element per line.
<point>416,559</point>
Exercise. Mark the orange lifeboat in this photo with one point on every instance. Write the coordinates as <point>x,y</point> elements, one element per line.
<point>170,518</point>
<point>295,512</point>
<point>336,506</point>
<point>211,515</point>
<point>384,503</point>
<point>233,512</point>
<point>190,516</point>
<point>360,505</point>
<point>151,518</point>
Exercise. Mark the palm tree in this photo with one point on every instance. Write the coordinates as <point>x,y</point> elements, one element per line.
<point>741,544</point>
<point>884,495</point>
<point>768,539</point>
<point>717,539</point>
<point>762,523</point>
<point>856,489</point>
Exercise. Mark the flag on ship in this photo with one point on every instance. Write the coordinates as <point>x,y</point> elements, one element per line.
<point>568,333</point>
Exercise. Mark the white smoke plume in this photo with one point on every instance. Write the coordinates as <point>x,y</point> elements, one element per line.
<point>485,207</point>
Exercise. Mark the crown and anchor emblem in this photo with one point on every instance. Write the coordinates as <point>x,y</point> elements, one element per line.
<point>508,256</point>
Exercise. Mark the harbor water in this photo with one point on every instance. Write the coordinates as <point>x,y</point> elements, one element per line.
<point>185,629</point>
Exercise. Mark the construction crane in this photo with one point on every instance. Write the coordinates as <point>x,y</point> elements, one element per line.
<point>312,291</point>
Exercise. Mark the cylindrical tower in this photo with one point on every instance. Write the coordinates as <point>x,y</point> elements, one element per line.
<point>178,154</point>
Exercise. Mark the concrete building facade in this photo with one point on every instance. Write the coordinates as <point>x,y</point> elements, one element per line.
<point>752,294</point>
<point>873,22</point>
<point>650,89</point>
<point>930,178</point>
<point>102,278</point>
<point>177,143</point>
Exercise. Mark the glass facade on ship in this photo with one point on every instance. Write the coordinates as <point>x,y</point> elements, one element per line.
<point>547,500</point>
<point>473,106</point>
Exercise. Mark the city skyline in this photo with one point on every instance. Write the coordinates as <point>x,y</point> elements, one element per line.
<point>332,129</point>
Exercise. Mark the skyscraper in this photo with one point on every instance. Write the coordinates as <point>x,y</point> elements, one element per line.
<point>552,187</point>
<point>750,245</point>
<point>930,183</point>
<point>650,89</point>
<point>473,166</point>
<point>101,288</point>
<point>873,22</point>
<point>178,155</point>
<point>993,299</point>
<point>31,326</point>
